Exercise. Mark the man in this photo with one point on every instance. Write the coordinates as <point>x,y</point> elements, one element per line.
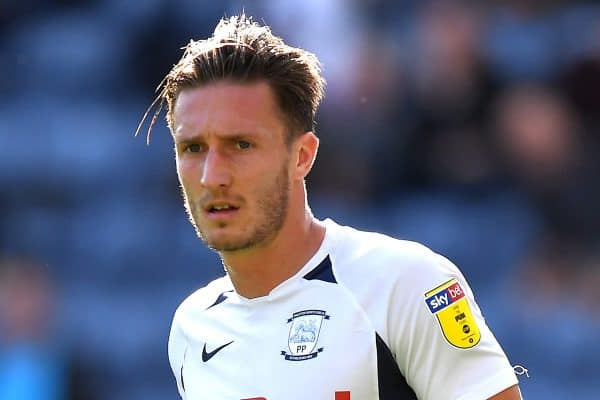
<point>308,309</point>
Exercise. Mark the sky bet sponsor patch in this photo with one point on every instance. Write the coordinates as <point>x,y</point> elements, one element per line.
<point>449,304</point>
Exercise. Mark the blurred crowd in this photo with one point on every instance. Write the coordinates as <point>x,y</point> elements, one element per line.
<point>470,126</point>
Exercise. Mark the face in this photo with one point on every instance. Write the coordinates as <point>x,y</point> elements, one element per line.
<point>232,163</point>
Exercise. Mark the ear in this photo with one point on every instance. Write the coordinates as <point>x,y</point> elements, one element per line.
<point>304,153</point>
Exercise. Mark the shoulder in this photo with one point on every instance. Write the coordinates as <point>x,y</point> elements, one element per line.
<point>423,309</point>
<point>390,278</point>
<point>188,310</point>
<point>359,254</point>
<point>203,298</point>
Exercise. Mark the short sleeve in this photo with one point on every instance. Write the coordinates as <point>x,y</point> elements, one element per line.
<point>439,336</point>
<point>176,349</point>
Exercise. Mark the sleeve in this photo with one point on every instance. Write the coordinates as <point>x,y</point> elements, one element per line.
<point>439,336</point>
<point>177,347</point>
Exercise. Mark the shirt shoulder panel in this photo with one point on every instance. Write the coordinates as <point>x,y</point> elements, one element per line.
<point>391,280</point>
<point>375,266</point>
<point>206,296</point>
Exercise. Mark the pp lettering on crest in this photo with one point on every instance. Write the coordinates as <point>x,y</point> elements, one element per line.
<point>305,327</point>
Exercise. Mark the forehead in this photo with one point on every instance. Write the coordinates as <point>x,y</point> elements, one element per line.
<point>227,108</point>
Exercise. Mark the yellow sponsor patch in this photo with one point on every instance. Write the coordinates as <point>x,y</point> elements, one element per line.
<point>449,304</point>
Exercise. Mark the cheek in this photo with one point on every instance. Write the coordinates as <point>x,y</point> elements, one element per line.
<point>272,181</point>
<point>186,171</point>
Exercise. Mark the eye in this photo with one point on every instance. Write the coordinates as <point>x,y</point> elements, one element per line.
<point>192,148</point>
<point>242,144</point>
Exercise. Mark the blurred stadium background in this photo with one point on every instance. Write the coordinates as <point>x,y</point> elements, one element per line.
<point>471,126</point>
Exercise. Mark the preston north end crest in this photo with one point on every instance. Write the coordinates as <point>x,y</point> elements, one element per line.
<point>305,327</point>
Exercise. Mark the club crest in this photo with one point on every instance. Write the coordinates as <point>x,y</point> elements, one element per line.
<point>305,327</point>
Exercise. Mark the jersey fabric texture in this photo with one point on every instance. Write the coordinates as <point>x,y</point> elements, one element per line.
<point>359,321</point>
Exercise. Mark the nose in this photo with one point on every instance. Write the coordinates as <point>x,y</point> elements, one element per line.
<point>215,172</point>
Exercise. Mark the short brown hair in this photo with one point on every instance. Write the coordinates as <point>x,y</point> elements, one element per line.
<point>241,50</point>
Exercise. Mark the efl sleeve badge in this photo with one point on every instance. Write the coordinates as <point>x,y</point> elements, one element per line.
<point>449,304</point>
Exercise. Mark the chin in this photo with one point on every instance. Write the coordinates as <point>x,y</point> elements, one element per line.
<point>222,244</point>
<point>224,240</point>
<point>227,246</point>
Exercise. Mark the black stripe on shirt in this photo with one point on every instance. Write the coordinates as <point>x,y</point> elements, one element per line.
<point>392,384</point>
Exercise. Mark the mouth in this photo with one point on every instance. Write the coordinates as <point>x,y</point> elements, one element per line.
<point>220,209</point>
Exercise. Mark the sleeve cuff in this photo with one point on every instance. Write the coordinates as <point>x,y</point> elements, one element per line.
<point>491,386</point>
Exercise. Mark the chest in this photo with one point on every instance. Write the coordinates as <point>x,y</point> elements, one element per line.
<point>316,347</point>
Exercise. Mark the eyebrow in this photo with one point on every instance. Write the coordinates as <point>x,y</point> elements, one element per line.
<point>184,139</point>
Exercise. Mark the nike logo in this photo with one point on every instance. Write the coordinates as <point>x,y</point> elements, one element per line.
<point>207,356</point>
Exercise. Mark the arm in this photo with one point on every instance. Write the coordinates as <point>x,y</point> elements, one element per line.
<point>512,393</point>
<point>446,350</point>
<point>176,351</point>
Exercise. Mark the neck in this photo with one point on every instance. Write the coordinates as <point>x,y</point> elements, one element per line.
<point>255,272</point>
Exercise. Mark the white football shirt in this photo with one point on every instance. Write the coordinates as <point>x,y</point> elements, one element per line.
<point>367,317</point>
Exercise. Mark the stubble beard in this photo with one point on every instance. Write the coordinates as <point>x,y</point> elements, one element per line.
<point>272,211</point>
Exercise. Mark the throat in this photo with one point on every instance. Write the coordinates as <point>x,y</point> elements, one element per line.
<point>256,272</point>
